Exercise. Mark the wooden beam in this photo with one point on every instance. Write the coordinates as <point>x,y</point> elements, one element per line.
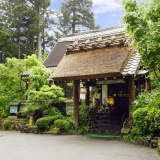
<point>131,96</point>
<point>76,86</point>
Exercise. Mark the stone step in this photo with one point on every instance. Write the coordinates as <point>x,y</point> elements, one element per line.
<point>109,118</point>
<point>105,132</point>
<point>107,126</point>
<point>114,121</point>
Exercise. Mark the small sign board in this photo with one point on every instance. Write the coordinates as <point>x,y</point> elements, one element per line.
<point>69,108</point>
<point>13,109</point>
<point>111,81</point>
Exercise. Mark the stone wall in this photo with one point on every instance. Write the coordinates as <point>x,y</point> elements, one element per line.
<point>17,123</point>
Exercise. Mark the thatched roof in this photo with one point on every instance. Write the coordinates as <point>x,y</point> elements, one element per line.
<point>60,47</point>
<point>98,63</point>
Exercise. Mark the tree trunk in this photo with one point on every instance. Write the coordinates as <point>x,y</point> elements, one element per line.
<point>73,23</point>
<point>76,102</point>
<point>33,45</point>
<point>39,36</point>
<point>19,49</point>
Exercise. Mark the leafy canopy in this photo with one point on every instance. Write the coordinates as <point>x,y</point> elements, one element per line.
<point>143,24</point>
<point>76,13</point>
<point>47,95</point>
<point>13,84</point>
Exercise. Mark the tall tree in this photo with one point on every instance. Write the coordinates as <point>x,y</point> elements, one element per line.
<point>143,23</point>
<point>76,13</point>
<point>21,25</point>
<point>40,6</point>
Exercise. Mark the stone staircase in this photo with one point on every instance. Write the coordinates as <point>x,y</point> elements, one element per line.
<point>107,124</point>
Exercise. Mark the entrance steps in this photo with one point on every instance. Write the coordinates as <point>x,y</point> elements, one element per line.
<point>107,124</point>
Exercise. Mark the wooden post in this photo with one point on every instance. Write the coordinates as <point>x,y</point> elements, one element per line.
<point>76,86</point>
<point>131,96</point>
<point>31,119</point>
<point>87,94</point>
<point>146,85</point>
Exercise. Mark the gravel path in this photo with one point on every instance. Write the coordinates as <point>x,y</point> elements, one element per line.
<point>21,146</point>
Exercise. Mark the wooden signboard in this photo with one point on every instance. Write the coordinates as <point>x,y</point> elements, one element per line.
<point>111,81</point>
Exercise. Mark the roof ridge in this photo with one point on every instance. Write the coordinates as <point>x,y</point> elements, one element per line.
<point>95,30</point>
<point>91,34</point>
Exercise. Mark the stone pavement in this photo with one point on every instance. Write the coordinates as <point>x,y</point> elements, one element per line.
<point>22,146</point>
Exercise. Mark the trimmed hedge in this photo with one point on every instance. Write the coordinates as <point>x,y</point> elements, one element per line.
<point>45,122</point>
<point>63,125</point>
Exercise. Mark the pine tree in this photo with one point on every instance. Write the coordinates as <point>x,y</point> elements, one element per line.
<point>76,13</point>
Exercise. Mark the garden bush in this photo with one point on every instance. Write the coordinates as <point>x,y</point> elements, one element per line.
<point>53,118</point>
<point>1,109</point>
<point>4,115</point>
<point>84,114</point>
<point>63,125</point>
<point>54,111</point>
<point>146,114</point>
<point>43,123</point>
<point>26,113</point>
<point>7,124</point>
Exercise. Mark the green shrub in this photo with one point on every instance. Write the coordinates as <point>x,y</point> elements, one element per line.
<point>43,123</point>
<point>26,113</point>
<point>146,114</point>
<point>45,112</point>
<point>53,118</point>
<point>79,129</point>
<point>7,124</point>
<point>4,115</point>
<point>1,109</point>
<point>130,138</point>
<point>63,125</point>
<point>84,114</point>
<point>155,103</point>
<point>54,111</point>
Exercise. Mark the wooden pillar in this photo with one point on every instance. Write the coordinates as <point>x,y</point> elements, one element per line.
<point>131,96</point>
<point>76,86</point>
<point>87,94</point>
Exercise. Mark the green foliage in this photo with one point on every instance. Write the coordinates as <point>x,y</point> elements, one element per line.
<point>75,12</point>
<point>54,118</point>
<point>20,21</point>
<point>26,113</point>
<point>145,99</point>
<point>47,95</point>
<point>79,129</point>
<point>84,114</point>
<point>45,122</point>
<point>54,111</point>
<point>146,114</point>
<point>142,22</point>
<point>7,124</point>
<point>4,115</point>
<point>130,138</point>
<point>13,86</point>
<point>63,125</point>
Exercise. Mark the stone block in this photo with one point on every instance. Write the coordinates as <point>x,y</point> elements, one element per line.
<point>125,131</point>
<point>154,143</point>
